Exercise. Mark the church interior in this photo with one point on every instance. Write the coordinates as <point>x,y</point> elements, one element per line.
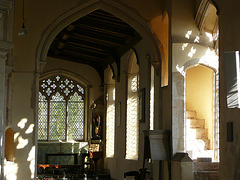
<point>119,89</point>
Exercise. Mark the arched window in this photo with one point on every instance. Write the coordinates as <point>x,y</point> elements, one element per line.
<point>110,125</point>
<point>61,109</point>
<point>152,99</point>
<point>132,125</point>
<point>110,116</point>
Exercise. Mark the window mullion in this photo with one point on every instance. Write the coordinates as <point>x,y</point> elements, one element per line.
<point>48,120</point>
<point>66,121</point>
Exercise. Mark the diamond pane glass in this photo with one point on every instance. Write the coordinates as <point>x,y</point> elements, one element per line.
<point>75,117</point>
<point>152,99</point>
<point>132,119</point>
<point>110,124</point>
<point>42,117</point>
<point>55,93</point>
<point>57,117</point>
<point>80,89</point>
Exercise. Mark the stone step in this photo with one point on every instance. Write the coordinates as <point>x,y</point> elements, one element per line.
<point>197,123</point>
<point>191,114</point>
<point>200,144</point>
<point>205,142</point>
<point>206,175</point>
<point>199,133</point>
<point>206,166</point>
<point>206,170</point>
<point>200,153</point>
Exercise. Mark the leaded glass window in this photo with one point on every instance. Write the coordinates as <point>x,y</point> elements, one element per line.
<point>110,124</point>
<point>152,100</point>
<point>132,128</point>
<point>61,109</point>
<point>132,123</point>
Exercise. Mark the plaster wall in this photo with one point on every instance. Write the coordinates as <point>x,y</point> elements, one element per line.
<point>183,15</point>
<point>189,47</point>
<point>229,24</point>
<point>160,28</point>
<point>23,119</point>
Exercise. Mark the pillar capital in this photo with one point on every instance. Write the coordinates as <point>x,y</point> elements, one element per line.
<point>5,48</point>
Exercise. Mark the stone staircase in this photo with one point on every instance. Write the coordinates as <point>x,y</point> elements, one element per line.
<point>206,170</point>
<point>198,148</point>
<point>197,144</point>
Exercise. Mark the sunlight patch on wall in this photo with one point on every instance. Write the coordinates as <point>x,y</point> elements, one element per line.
<point>10,170</point>
<point>188,34</point>
<point>197,39</point>
<point>209,35</point>
<point>22,142</point>
<point>192,52</point>
<point>184,46</point>
<point>22,123</point>
<point>210,58</point>
<point>16,136</point>
<point>181,70</point>
<point>31,159</point>
<point>30,129</point>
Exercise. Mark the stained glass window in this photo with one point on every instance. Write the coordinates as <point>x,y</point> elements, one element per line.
<point>61,109</point>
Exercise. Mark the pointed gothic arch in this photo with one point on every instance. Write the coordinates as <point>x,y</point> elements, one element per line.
<point>118,9</point>
<point>213,129</point>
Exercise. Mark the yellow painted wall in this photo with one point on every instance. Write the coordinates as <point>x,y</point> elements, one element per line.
<point>199,95</point>
<point>160,27</point>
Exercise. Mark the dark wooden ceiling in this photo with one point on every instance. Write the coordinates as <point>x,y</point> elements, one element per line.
<point>97,39</point>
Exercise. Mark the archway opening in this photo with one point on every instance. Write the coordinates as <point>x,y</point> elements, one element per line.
<point>95,40</point>
<point>200,120</point>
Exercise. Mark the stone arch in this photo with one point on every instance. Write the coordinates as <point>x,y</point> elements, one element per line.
<point>109,75</point>
<point>195,62</point>
<point>213,130</point>
<point>203,11</point>
<point>118,9</point>
<point>130,58</point>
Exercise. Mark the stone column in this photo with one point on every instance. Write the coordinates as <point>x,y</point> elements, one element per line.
<point>5,47</point>
<point>6,24</point>
<point>2,80</point>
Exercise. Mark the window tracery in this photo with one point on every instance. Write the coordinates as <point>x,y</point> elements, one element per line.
<point>61,109</point>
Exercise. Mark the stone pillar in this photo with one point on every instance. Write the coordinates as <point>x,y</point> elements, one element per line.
<point>6,14</point>
<point>5,47</point>
<point>178,112</point>
<point>2,126</point>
